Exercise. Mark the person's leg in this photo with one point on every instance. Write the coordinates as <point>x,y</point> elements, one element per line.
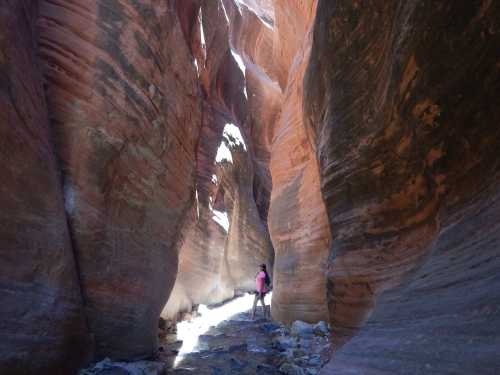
<point>255,305</point>
<point>267,309</point>
<point>261,297</point>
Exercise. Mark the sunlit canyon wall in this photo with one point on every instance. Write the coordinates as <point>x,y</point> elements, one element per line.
<point>156,152</point>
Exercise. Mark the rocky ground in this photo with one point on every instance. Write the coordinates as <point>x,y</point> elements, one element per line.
<point>239,345</point>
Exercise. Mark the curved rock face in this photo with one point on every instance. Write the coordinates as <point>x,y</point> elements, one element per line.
<point>227,238</point>
<point>364,135</point>
<point>42,323</point>
<point>252,36</point>
<point>248,244</point>
<point>297,218</point>
<point>126,110</point>
<point>402,99</point>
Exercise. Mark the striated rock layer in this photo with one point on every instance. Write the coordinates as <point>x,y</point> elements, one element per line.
<point>138,98</point>
<point>363,135</point>
<point>403,100</point>
<point>297,218</point>
<point>125,106</point>
<point>42,325</point>
<point>227,238</point>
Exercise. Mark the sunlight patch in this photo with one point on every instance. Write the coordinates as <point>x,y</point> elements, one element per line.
<point>202,32</point>
<point>233,136</point>
<point>223,153</point>
<point>239,61</point>
<point>243,69</point>
<point>255,11</point>
<point>225,12</point>
<point>197,204</point>
<point>190,331</point>
<point>202,38</point>
<point>238,6</point>
<point>195,62</point>
<point>221,219</point>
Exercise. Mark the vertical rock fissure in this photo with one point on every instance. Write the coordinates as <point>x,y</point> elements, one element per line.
<point>67,198</point>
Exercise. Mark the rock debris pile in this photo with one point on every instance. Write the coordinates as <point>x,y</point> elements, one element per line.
<point>239,345</point>
<point>245,346</point>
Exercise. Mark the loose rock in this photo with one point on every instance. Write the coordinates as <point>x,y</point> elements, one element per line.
<point>289,369</point>
<point>321,329</point>
<point>108,367</point>
<point>300,328</point>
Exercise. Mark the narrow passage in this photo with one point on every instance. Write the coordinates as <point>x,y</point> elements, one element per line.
<point>226,340</point>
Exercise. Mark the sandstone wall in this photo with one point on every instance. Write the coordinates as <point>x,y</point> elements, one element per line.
<point>401,97</point>
<point>227,238</point>
<point>125,107</point>
<point>297,218</point>
<point>42,325</point>
<point>368,159</point>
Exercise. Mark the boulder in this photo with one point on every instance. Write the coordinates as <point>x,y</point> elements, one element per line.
<point>300,328</point>
<point>321,329</point>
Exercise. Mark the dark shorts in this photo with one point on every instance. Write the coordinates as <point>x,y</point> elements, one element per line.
<point>258,293</point>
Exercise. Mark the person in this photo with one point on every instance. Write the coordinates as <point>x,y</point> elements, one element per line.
<point>262,285</point>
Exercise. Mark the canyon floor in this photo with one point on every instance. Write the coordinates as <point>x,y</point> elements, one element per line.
<point>225,339</point>
<point>242,345</point>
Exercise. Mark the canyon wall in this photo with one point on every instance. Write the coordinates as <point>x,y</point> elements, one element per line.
<point>227,238</point>
<point>162,150</point>
<point>42,324</point>
<point>125,107</point>
<point>297,218</point>
<point>123,165</point>
<point>402,99</point>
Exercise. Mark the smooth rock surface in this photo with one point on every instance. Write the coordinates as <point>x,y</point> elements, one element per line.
<point>368,161</point>
<point>402,99</point>
<point>297,217</point>
<point>125,105</point>
<point>227,236</point>
<point>42,325</point>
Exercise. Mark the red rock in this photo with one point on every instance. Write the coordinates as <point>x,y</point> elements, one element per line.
<point>297,218</point>
<point>42,325</point>
<point>215,262</point>
<point>370,161</point>
<point>125,105</point>
<point>402,99</point>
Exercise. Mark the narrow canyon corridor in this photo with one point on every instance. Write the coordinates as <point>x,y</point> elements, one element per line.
<point>156,152</point>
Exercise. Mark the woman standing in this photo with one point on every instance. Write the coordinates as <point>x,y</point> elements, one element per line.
<point>262,284</point>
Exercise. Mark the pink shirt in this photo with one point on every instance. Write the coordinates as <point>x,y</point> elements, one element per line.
<point>260,282</point>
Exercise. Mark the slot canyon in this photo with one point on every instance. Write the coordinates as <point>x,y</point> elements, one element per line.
<point>156,152</point>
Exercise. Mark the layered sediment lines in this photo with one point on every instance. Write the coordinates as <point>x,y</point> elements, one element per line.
<point>125,108</point>
<point>42,323</point>
<point>402,100</point>
<point>160,150</point>
<point>227,238</point>
<point>297,218</point>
